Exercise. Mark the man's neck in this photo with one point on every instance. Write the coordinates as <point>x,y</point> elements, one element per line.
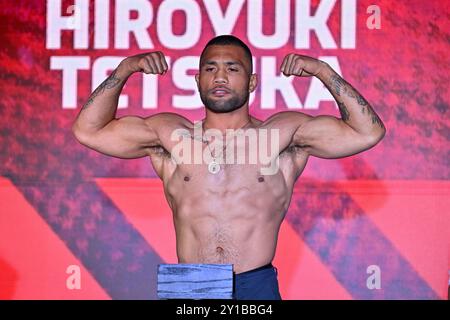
<point>230,120</point>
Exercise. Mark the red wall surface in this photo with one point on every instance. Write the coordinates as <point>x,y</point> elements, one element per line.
<point>67,211</point>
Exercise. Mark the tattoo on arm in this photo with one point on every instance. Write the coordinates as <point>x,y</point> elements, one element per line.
<point>376,119</point>
<point>361,101</point>
<point>340,87</point>
<point>337,84</point>
<point>109,83</point>
<point>345,115</point>
<point>352,93</point>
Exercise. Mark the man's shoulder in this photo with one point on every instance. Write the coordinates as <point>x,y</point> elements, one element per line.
<point>169,120</point>
<point>284,118</point>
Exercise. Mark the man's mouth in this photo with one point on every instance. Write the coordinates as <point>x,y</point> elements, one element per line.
<point>220,91</point>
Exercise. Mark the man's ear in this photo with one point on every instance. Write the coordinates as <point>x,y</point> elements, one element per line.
<point>253,82</point>
<point>197,79</point>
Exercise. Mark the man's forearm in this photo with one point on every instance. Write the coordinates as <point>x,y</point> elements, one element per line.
<point>101,106</point>
<point>354,109</point>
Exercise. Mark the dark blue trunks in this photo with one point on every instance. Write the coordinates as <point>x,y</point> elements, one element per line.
<point>257,284</point>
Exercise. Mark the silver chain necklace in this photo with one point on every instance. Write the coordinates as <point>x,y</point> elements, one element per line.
<point>214,165</point>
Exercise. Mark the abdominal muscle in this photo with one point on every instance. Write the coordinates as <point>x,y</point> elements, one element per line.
<point>231,217</point>
<point>237,224</point>
<point>238,242</point>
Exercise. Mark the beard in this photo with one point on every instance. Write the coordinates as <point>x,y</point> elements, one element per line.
<point>233,102</point>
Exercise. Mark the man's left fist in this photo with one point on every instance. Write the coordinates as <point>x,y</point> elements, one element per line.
<point>302,66</point>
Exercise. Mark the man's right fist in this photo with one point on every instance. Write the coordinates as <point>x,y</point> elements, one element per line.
<point>150,63</point>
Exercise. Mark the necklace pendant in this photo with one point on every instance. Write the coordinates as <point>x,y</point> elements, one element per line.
<point>213,167</point>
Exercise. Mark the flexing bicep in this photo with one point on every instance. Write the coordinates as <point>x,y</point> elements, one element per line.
<point>127,137</point>
<point>329,137</point>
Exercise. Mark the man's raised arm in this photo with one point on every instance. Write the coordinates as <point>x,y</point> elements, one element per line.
<point>359,127</point>
<point>96,125</point>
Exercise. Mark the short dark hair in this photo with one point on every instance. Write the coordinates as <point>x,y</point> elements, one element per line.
<point>229,40</point>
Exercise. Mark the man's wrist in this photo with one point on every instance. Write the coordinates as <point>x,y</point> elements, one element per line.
<point>124,69</point>
<point>324,69</point>
<point>324,72</point>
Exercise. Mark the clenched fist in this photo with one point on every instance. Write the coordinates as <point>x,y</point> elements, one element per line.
<point>149,63</point>
<point>302,66</point>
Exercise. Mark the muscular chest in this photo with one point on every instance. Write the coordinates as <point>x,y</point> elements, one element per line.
<point>199,181</point>
<point>235,188</point>
<point>226,178</point>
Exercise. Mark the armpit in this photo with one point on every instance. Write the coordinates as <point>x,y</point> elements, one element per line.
<point>159,151</point>
<point>294,149</point>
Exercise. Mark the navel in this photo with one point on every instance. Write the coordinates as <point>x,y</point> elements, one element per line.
<point>219,250</point>
<point>261,179</point>
<point>186,178</point>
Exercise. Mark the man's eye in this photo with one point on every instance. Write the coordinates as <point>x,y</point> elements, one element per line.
<point>209,69</point>
<point>234,69</point>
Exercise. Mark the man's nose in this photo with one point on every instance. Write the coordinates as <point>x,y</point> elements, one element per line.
<point>220,76</point>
